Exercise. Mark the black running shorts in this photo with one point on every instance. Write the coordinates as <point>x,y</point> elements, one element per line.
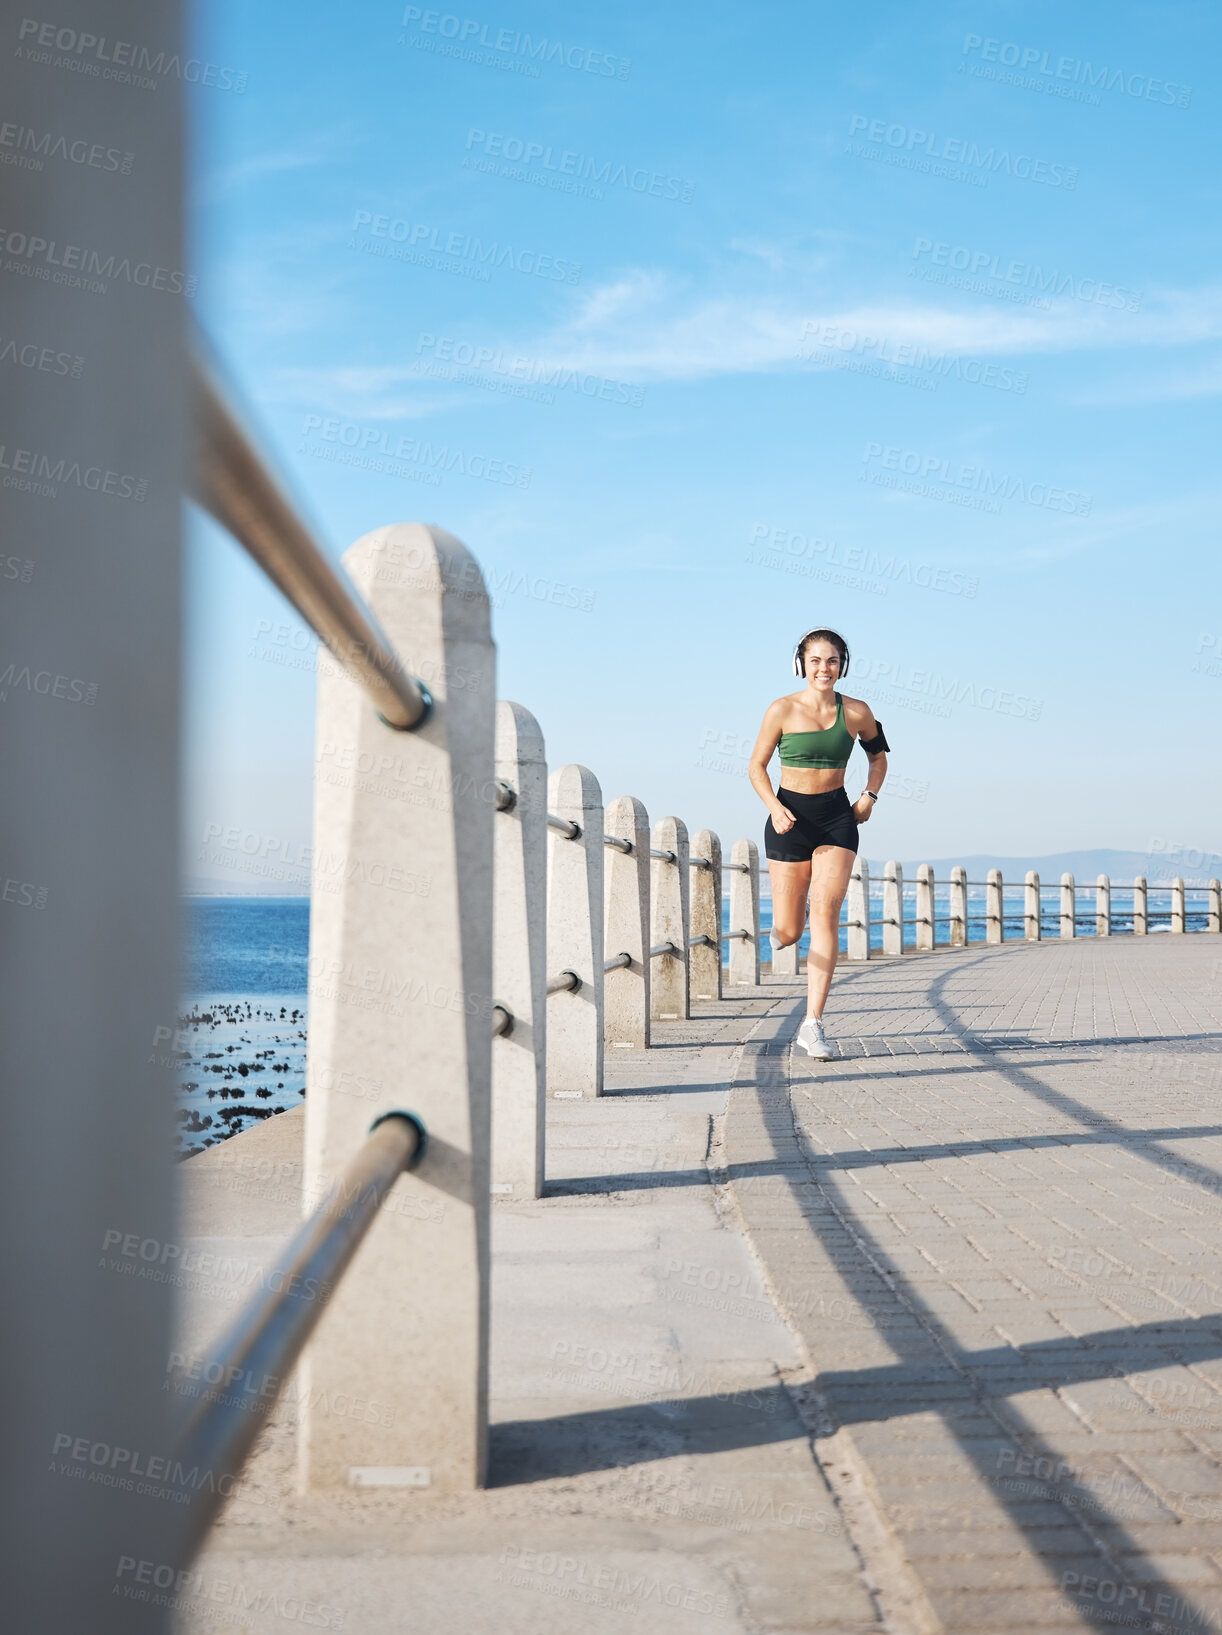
<point>820,820</point>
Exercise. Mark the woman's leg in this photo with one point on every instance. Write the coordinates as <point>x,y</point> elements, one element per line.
<point>790,884</point>
<point>830,869</point>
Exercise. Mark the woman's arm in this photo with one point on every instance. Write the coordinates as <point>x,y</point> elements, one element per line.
<point>859,718</point>
<point>757,771</point>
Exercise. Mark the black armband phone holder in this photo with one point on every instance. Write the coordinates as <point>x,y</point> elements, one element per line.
<point>878,744</point>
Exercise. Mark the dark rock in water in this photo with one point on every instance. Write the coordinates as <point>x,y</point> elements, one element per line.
<point>267,1038</point>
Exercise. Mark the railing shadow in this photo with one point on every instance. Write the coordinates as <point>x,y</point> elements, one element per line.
<point>1022,1079</point>
<point>970,1390</point>
<point>593,1439</point>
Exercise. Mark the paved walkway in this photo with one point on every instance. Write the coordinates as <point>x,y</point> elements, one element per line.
<point>998,1238</point>
<point>917,1339</point>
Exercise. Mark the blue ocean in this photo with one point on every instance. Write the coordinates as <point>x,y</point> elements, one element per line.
<point>242,1023</point>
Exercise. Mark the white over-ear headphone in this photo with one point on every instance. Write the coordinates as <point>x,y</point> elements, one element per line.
<point>837,641</point>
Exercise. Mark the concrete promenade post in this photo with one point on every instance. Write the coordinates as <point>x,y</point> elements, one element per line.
<point>704,959</point>
<point>1032,927</point>
<point>1141,913</point>
<point>575,935</point>
<point>893,908</point>
<point>1178,905</point>
<point>1215,906</point>
<point>1103,907</point>
<point>1068,906</point>
<point>400,997</point>
<point>745,913</point>
<point>93,412</point>
<point>994,906</point>
<point>858,933</point>
<point>925,925</point>
<point>626,915</point>
<point>519,955</point>
<point>670,899</point>
<point>958,907</point>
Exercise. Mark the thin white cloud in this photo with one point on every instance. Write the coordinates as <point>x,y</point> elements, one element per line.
<point>650,336</point>
<point>645,327</point>
<point>323,147</point>
<point>361,394</point>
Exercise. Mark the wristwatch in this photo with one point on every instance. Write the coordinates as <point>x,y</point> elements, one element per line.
<point>869,792</point>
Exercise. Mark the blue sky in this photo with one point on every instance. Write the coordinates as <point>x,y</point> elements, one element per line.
<point>906,320</point>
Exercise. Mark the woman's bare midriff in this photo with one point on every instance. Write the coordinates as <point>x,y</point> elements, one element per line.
<point>810,780</point>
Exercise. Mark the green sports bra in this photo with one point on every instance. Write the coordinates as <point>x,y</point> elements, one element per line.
<point>830,748</point>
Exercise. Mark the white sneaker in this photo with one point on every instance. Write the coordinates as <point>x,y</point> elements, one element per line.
<point>813,1041</point>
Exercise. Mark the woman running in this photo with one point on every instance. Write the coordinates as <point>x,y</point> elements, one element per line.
<point>811,835</point>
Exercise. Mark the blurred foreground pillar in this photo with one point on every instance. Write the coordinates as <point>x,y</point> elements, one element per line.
<point>91,421</point>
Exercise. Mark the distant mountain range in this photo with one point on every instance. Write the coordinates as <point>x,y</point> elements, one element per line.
<point>197,886</point>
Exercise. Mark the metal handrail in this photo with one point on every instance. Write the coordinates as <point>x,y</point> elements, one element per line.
<point>702,941</point>
<point>502,1021</point>
<point>617,963</point>
<point>666,857</point>
<point>700,863</point>
<point>268,1337</point>
<point>564,826</point>
<point>563,982</point>
<point>738,868</point>
<point>1045,885</point>
<point>1050,916</point>
<point>232,483</point>
<point>657,951</point>
<point>618,844</point>
<point>735,936</point>
<point>506,798</point>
